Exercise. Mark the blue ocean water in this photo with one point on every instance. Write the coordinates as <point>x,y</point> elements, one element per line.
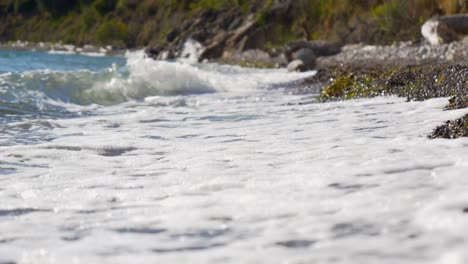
<point>21,61</point>
<point>36,83</point>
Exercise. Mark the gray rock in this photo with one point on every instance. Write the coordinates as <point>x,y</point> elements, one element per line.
<point>320,48</point>
<point>307,56</point>
<point>445,29</point>
<point>296,66</point>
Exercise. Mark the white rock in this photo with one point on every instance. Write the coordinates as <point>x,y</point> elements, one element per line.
<point>296,66</point>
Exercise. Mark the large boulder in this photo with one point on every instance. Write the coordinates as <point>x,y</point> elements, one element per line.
<point>306,56</point>
<point>445,29</point>
<point>307,52</point>
<point>319,47</point>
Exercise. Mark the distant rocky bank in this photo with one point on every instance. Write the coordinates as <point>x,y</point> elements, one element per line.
<point>237,38</point>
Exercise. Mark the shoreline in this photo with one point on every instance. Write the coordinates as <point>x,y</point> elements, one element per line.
<point>417,71</point>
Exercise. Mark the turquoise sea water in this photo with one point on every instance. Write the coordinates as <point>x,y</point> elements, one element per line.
<point>22,61</point>
<point>36,84</point>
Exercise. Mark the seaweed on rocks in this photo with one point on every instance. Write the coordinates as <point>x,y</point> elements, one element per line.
<point>458,102</point>
<point>417,81</point>
<point>452,129</point>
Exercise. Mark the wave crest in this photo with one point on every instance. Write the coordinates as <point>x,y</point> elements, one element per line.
<point>141,77</point>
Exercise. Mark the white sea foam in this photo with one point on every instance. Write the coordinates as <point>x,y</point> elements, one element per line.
<point>243,174</point>
<point>191,51</point>
<point>143,77</point>
<point>147,77</point>
<point>429,32</point>
<point>181,77</point>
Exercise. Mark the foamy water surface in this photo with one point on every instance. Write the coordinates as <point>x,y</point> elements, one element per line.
<point>166,162</point>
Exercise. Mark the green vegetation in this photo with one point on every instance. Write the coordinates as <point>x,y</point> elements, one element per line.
<point>351,87</point>
<point>114,32</point>
<point>137,23</point>
<point>216,4</point>
<point>458,102</point>
<point>417,82</point>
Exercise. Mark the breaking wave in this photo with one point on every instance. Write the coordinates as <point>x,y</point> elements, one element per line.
<point>141,77</point>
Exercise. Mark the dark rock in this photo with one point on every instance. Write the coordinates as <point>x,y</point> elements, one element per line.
<point>458,102</point>
<point>445,29</point>
<point>452,129</point>
<point>223,33</point>
<point>172,35</point>
<point>217,32</point>
<point>306,56</point>
<point>320,48</point>
<point>153,52</point>
<point>325,48</point>
<point>200,35</point>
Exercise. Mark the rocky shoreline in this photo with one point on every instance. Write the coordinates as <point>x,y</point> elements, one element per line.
<point>415,71</point>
